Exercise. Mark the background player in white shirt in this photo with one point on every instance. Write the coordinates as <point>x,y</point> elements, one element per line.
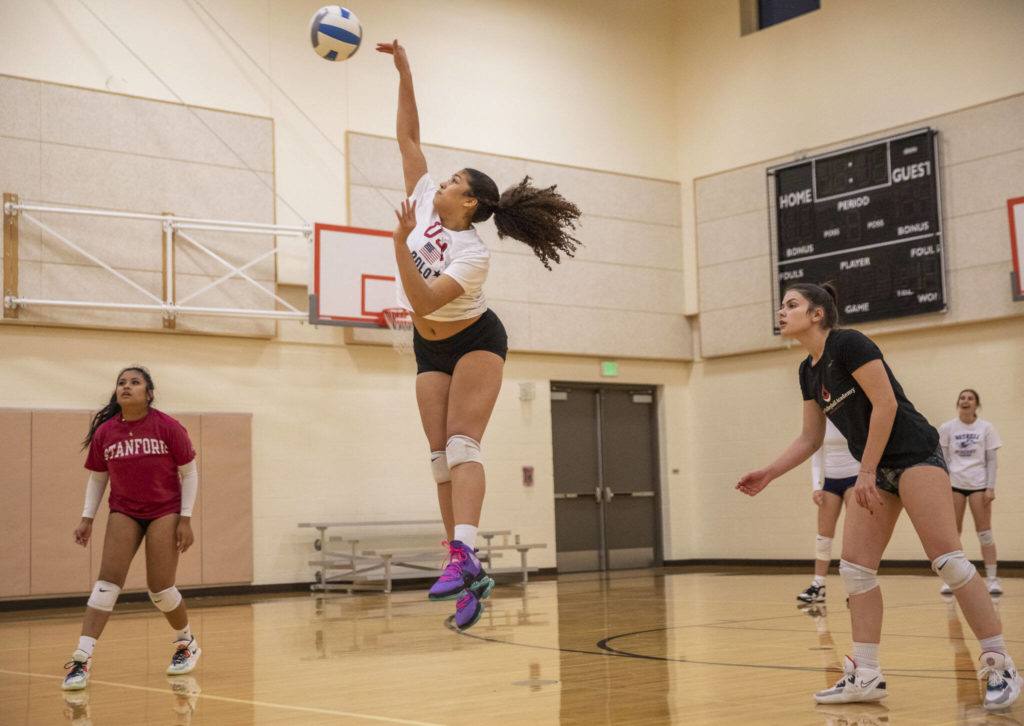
<point>969,445</point>
<point>460,345</point>
<point>833,474</point>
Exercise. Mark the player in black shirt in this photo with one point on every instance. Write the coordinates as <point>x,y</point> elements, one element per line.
<point>845,378</point>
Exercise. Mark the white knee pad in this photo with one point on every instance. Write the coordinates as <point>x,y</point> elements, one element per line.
<point>461,449</point>
<point>104,595</point>
<point>439,467</point>
<point>986,538</point>
<point>856,578</point>
<point>954,568</point>
<point>166,600</point>
<point>823,548</point>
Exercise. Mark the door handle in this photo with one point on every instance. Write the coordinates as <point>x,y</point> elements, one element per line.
<point>608,494</point>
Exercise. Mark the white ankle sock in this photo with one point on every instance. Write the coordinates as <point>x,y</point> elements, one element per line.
<point>466,534</point>
<point>990,570</point>
<point>86,645</point>
<point>995,643</point>
<point>865,655</point>
<point>184,634</point>
<point>819,580</point>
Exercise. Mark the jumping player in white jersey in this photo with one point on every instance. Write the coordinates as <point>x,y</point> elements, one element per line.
<point>969,445</point>
<point>460,344</point>
<point>149,461</point>
<point>833,474</point>
<point>845,378</point>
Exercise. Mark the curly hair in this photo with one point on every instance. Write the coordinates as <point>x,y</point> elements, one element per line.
<point>541,218</point>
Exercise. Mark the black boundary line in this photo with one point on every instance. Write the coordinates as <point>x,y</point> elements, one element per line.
<point>606,651</point>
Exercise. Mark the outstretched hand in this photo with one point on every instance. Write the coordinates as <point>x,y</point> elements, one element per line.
<point>406,221</point>
<point>396,50</point>
<point>752,483</point>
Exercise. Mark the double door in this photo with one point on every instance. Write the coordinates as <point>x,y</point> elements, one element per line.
<point>606,476</point>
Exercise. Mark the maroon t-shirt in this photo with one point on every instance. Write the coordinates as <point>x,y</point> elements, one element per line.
<point>143,458</point>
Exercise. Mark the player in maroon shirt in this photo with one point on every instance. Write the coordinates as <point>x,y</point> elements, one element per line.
<point>150,463</point>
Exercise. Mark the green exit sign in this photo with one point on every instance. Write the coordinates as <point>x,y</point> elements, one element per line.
<point>609,368</point>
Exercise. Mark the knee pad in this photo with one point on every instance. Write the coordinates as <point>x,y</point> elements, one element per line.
<point>166,600</point>
<point>823,548</point>
<point>986,538</point>
<point>856,578</point>
<point>954,568</point>
<point>104,595</point>
<point>461,449</point>
<point>439,467</point>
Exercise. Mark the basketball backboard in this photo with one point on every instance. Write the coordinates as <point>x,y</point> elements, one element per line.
<point>353,276</point>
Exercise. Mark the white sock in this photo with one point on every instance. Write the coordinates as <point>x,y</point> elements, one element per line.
<point>990,570</point>
<point>86,645</point>
<point>184,634</point>
<point>865,655</point>
<point>466,534</point>
<point>995,643</point>
<point>819,580</point>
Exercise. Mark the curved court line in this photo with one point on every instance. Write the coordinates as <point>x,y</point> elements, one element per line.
<point>606,651</point>
<point>228,699</point>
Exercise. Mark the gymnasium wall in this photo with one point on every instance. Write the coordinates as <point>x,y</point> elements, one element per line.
<point>671,93</point>
<point>848,71</point>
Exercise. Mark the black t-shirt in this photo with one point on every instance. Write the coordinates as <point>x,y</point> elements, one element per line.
<point>830,383</point>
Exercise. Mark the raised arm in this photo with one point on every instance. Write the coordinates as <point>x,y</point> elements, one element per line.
<point>414,165</point>
<point>809,441</point>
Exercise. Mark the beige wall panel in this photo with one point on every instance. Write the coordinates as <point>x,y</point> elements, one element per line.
<point>58,564</point>
<point>983,292</point>
<point>370,208</point>
<point>81,282</point>
<point>228,294</point>
<point>443,162</point>
<point>374,162</point>
<point>510,274</point>
<point>236,248</point>
<point>584,284</point>
<point>612,195</point>
<point>19,168</point>
<point>609,332</point>
<point>125,244</point>
<point>729,239</point>
<point>978,186</point>
<point>629,242</point>
<point>190,564</point>
<point>978,239</point>
<point>730,331</point>
<point>735,283</point>
<point>226,480</point>
<point>20,103</point>
<point>517,319</point>
<point>731,193</point>
<point>111,122</point>
<point>982,131</point>
<point>16,495</point>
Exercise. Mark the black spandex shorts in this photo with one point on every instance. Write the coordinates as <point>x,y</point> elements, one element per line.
<point>144,523</point>
<point>487,333</point>
<point>888,478</point>
<point>967,492</point>
<point>839,486</point>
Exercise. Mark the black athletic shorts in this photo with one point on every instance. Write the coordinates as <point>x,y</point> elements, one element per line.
<point>487,333</point>
<point>143,522</point>
<point>839,486</point>
<point>888,478</point>
<point>967,492</point>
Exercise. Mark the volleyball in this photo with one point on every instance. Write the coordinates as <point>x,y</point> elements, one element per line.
<point>335,33</point>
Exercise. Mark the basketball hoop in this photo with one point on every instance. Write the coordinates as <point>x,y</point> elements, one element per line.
<point>399,322</point>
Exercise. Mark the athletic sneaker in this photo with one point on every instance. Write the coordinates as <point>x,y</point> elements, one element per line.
<point>78,671</point>
<point>185,656</point>
<point>853,714</point>
<point>468,610</point>
<point>994,588</point>
<point>1003,683</point>
<point>463,571</point>
<point>76,708</point>
<point>186,691</point>
<point>815,593</point>
<point>857,684</point>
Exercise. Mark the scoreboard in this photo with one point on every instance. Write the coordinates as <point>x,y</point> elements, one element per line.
<point>868,219</point>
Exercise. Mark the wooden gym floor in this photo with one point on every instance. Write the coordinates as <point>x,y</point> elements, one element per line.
<point>635,647</point>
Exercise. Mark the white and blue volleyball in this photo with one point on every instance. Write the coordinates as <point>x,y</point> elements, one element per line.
<point>335,32</point>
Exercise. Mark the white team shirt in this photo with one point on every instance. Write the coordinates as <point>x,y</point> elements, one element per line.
<point>833,460</point>
<point>968,445</point>
<point>439,251</point>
